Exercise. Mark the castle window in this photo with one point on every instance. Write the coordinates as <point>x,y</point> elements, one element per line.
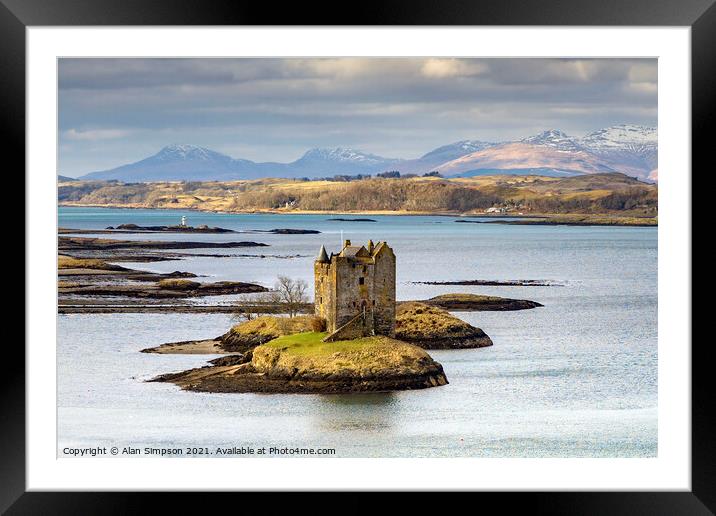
<point>320,300</point>
<point>361,281</point>
<point>364,269</point>
<point>374,302</point>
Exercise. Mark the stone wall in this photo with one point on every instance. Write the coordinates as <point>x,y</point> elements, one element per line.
<point>384,292</point>
<point>356,328</point>
<point>352,296</point>
<point>325,293</point>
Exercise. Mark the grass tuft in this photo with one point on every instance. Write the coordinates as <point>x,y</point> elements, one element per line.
<point>178,284</point>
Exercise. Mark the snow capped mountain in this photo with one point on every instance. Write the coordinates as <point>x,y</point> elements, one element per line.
<point>630,149</point>
<point>554,139</point>
<point>454,150</point>
<point>341,155</point>
<point>176,151</point>
<point>321,162</point>
<point>185,152</point>
<point>633,137</point>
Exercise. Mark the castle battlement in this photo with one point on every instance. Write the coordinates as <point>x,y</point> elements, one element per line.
<point>357,286</point>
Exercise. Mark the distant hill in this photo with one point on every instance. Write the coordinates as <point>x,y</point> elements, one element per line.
<point>63,179</point>
<point>589,193</point>
<point>453,151</point>
<point>519,157</point>
<point>192,163</point>
<point>627,149</point>
<point>178,162</point>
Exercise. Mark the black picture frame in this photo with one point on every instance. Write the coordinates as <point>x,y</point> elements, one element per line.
<point>700,15</point>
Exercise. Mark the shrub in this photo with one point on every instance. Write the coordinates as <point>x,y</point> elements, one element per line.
<point>318,324</point>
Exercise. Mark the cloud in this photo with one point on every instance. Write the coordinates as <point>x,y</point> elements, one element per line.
<point>271,109</point>
<point>646,71</point>
<point>96,134</point>
<point>443,68</point>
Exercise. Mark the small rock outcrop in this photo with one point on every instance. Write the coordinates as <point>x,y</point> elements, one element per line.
<point>478,303</point>
<point>434,328</point>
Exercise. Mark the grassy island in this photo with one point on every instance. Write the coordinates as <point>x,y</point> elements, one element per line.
<point>434,328</point>
<point>303,363</point>
<point>249,334</point>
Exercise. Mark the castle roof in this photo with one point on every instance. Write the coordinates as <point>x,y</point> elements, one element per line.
<point>358,253</point>
<point>354,251</point>
<point>380,246</point>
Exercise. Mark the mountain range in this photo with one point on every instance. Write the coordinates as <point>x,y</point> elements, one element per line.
<point>629,149</point>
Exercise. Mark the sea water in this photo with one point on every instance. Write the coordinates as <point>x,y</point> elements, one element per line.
<point>574,378</point>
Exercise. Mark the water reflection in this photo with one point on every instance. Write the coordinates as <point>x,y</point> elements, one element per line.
<point>355,412</point>
<point>368,398</point>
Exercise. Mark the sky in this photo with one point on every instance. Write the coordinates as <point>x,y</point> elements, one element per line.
<point>116,111</point>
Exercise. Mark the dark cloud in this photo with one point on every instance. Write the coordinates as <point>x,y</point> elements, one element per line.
<point>115,110</point>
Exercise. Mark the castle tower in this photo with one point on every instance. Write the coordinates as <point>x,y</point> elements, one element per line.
<point>356,286</point>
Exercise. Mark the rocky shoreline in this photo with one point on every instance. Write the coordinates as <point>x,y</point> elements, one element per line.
<point>134,228</point>
<point>135,306</point>
<point>289,231</point>
<point>570,220</point>
<point>475,303</point>
<point>430,327</point>
<point>494,283</point>
<point>162,289</point>
<point>86,276</point>
<point>66,243</point>
<point>343,219</point>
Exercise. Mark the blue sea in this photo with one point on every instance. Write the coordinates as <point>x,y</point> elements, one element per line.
<point>575,378</point>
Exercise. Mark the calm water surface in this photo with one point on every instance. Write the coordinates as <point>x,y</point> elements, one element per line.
<point>576,378</point>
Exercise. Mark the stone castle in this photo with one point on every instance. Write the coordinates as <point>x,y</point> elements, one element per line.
<point>355,291</point>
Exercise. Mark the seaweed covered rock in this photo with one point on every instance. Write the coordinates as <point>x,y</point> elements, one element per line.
<point>477,303</point>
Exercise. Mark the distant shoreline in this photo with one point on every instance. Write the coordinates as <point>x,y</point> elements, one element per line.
<point>272,212</point>
<point>547,219</point>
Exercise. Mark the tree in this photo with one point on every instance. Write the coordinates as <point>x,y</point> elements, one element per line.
<point>291,294</point>
<point>249,308</point>
<point>389,174</point>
